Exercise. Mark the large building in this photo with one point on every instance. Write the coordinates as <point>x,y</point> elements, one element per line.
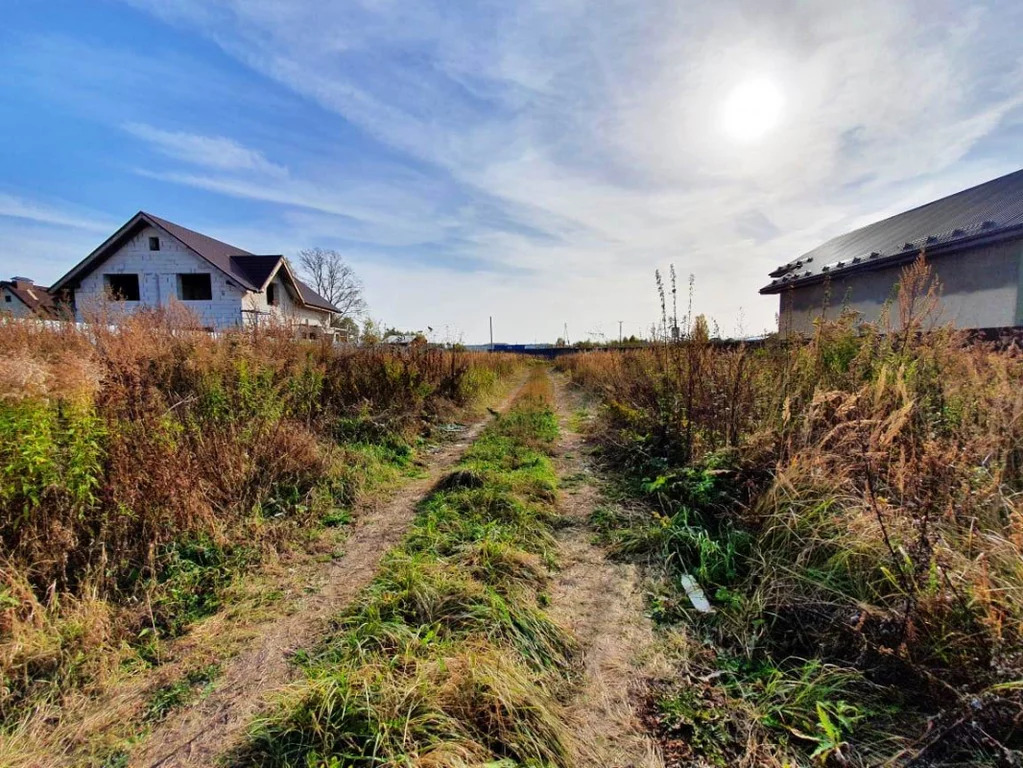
<point>973,241</point>
<point>150,262</point>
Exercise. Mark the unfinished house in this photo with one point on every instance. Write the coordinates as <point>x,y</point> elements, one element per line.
<point>150,262</point>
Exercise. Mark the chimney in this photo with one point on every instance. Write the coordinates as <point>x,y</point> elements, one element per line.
<point>22,282</point>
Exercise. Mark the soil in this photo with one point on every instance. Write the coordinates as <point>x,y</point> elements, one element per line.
<point>197,735</point>
<point>602,602</point>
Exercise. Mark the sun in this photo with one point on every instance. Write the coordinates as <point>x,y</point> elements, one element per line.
<point>752,109</point>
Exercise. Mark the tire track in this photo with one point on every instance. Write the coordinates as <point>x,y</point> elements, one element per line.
<point>602,602</point>
<point>198,734</point>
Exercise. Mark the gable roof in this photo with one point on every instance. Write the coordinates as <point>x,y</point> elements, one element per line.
<point>251,271</point>
<point>313,299</point>
<point>257,269</point>
<point>263,269</point>
<point>980,215</point>
<point>36,297</point>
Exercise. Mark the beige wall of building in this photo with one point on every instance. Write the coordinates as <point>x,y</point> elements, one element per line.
<point>979,289</point>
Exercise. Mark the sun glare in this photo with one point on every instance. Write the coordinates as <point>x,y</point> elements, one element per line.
<point>752,109</point>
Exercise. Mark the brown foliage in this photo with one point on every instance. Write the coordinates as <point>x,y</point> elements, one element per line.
<point>131,451</point>
<point>876,472</point>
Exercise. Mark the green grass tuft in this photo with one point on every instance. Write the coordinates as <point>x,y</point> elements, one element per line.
<point>448,657</point>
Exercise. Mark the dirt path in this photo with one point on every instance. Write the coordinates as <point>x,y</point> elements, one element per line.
<point>602,602</point>
<point>197,735</point>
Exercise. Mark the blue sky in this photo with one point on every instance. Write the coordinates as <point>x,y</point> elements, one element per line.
<point>534,160</point>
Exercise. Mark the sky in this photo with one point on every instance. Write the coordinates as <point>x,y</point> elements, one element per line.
<point>534,161</point>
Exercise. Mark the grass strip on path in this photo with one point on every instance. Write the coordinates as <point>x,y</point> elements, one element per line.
<point>448,658</point>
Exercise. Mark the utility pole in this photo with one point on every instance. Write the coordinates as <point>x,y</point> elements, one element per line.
<point>565,337</point>
<point>491,333</point>
<point>620,333</point>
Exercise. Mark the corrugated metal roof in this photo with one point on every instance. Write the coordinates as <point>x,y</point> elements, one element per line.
<point>988,211</point>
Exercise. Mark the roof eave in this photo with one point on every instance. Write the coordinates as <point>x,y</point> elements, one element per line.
<point>75,272</point>
<point>85,265</point>
<point>325,307</point>
<point>291,276</point>
<point>330,310</point>
<point>897,259</point>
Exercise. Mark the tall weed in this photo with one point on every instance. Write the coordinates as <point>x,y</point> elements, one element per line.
<point>143,463</point>
<point>854,500</point>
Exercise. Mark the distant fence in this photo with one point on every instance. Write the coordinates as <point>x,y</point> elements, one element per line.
<point>87,328</point>
<point>551,353</point>
<point>1003,338</point>
<point>525,349</point>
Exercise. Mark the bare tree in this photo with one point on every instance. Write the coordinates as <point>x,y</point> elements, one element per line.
<point>334,279</point>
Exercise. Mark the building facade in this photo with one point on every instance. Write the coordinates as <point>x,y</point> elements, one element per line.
<point>973,242</point>
<point>151,262</point>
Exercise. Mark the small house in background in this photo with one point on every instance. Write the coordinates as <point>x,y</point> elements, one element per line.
<point>973,240</point>
<point>150,262</point>
<point>21,297</point>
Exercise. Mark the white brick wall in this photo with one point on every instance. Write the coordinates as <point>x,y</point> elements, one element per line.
<point>158,285</point>
<point>158,282</point>
<point>287,308</point>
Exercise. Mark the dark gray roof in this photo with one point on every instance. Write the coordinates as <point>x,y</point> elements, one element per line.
<point>313,299</point>
<point>257,269</point>
<point>249,270</point>
<point>986,213</point>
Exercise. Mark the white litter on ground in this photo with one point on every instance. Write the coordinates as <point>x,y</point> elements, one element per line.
<point>695,593</point>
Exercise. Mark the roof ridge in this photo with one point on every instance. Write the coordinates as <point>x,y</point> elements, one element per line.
<point>170,225</point>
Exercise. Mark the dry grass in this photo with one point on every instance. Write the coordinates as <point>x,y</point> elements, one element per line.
<point>143,465</point>
<point>854,502</point>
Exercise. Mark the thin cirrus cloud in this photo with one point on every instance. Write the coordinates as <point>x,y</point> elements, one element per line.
<point>600,114</point>
<point>60,215</point>
<point>214,152</point>
<point>537,160</point>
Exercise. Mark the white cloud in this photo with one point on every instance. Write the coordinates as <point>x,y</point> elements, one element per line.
<point>210,152</point>
<point>29,210</point>
<point>382,214</point>
<point>598,126</point>
<point>44,252</point>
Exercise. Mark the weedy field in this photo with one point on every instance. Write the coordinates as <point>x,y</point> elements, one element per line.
<point>853,509</point>
<point>143,469</point>
<point>850,507</point>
